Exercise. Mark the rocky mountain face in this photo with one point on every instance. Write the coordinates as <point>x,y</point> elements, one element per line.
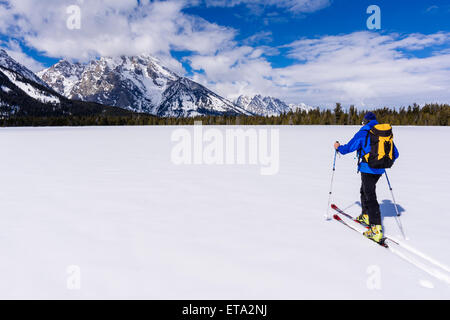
<point>184,98</point>
<point>23,94</point>
<point>267,106</point>
<point>300,107</point>
<point>64,76</point>
<point>138,83</point>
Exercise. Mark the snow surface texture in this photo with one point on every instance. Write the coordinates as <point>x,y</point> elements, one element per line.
<point>110,201</point>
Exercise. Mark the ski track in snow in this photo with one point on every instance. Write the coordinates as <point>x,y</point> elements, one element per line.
<point>413,256</point>
<point>110,201</point>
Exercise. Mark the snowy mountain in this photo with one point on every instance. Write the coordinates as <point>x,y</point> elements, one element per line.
<point>64,76</point>
<point>41,94</point>
<point>22,97</point>
<point>137,83</point>
<point>267,106</point>
<point>186,98</point>
<point>243,101</point>
<point>9,63</point>
<point>300,107</point>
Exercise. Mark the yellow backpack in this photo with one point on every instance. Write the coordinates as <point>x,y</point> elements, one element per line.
<point>381,155</point>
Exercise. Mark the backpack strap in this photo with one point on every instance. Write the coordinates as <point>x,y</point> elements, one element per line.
<point>361,149</point>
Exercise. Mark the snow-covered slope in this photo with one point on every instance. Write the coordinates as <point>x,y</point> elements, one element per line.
<point>267,106</point>
<point>104,208</point>
<point>300,107</point>
<point>9,63</point>
<point>185,98</point>
<point>138,83</point>
<point>28,87</point>
<point>134,83</point>
<point>23,97</point>
<point>21,88</point>
<point>243,101</point>
<point>64,76</point>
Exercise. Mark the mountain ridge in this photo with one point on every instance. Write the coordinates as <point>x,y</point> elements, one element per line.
<point>137,83</point>
<point>267,106</point>
<point>21,97</point>
<point>8,62</point>
<point>140,84</point>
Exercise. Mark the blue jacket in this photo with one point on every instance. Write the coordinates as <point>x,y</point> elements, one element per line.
<point>357,143</point>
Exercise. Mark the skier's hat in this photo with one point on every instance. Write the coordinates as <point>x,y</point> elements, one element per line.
<point>369,117</point>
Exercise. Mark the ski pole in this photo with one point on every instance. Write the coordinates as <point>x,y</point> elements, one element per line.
<point>397,218</point>
<point>328,216</point>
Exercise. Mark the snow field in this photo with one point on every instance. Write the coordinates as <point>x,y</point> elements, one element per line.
<point>110,201</point>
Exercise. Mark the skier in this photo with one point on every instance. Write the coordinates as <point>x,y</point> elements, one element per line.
<point>364,143</point>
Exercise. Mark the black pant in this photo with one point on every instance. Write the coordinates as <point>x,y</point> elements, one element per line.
<point>369,200</point>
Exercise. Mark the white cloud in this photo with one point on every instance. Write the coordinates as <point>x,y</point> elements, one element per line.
<point>363,68</point>
<point>259,37</point>
<point>15,51</point>
<point>432,8</point>
<point>296,6</point>
<point>110,28</point>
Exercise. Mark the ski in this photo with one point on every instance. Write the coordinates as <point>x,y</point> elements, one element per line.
<point>382,243</point>
<point>334,207</point>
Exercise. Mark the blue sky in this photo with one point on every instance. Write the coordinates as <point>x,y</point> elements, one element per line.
<point>341,16</point>
<point>279,26</point>
<point>313,51</point>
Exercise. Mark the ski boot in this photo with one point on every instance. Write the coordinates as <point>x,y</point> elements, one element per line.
<point>363,219</point>
<point>375,233</point>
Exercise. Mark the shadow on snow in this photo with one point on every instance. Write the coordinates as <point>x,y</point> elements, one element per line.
<point>387,208</point>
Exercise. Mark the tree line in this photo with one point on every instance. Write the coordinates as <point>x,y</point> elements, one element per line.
<point>428,115</point>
